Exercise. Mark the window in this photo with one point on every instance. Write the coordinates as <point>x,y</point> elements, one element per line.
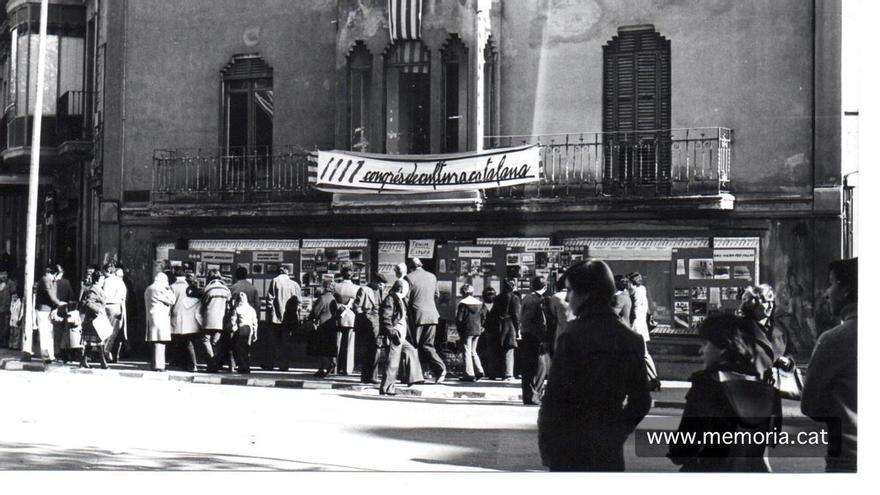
<point>248,106</point>
<point>636,115</point>
<point>455,96</point>
<point>407,98</point>
<point>360,67</point>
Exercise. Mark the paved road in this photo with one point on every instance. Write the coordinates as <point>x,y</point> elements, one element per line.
<point>62,421</point>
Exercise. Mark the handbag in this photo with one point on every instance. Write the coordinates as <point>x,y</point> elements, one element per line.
<point>790,384</point>
<point>102,326</point>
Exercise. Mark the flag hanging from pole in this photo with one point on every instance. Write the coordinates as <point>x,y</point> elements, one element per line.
<point>405,19</point>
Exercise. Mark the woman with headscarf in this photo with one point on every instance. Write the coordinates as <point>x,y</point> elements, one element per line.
<point>727,397</point>
<point>92,307</point>
<point>504,324</point>
<point>158,299</point>
<point>401,354</point>
<point>325,334</point>
<point>774,347</point>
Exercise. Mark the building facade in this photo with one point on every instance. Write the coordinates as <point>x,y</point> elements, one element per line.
<point>669,132</point>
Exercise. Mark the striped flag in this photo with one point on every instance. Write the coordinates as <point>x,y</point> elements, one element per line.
<point>413,56</point>
<point>405,19</point>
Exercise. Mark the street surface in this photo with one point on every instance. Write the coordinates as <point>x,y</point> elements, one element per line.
<point>94,422</point>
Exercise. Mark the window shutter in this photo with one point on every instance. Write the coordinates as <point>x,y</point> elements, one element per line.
<point>636,112</point>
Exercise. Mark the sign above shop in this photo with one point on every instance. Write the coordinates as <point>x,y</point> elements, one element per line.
<point>421,248</point>
<point>365,173</point>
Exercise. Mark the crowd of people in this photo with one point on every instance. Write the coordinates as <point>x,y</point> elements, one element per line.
<point>581,352</point>
<point>598,389</point>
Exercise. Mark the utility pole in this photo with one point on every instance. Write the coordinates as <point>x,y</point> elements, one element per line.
<point>34,182</point>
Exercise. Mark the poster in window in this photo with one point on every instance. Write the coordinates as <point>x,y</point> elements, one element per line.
<point>682,307</point>
<point>271,268</point>
<point>488,268</point>
<point>356,255</point>
<point>715,297</point>
<point>700,293</point>
<point>442,266</point>
<point>730,293</point>
<point>742,273</point>
<point>444,287</point>
<point>700,268</point>
<point>680,269</point>
<point>682,293</point>
<point>257,268</point>
<point>722,272</point>
<point>696,321</point>
<point>698,308</point>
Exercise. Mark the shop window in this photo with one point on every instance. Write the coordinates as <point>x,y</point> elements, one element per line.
<point>248,106</point>
<point>455,96</point>
<point>360,67</point>
<point>407,98</point>
<point>636,115</point>
<point>490,95</point>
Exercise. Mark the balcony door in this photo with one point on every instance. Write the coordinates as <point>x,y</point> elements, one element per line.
<point>636,115</point>
<point>248,114</point>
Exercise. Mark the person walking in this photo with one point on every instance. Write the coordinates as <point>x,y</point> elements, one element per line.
<point>93,309</point>
<point>538,329</point>
<point>367,304</point>
<point>597,391</point>
<point>505,321</point>
<point>326,346</point>
<point>7,289</point>
<point>831,385</point>
<point>216,300</point>
<point>186,321</point>
<point>158,300</point>
<point>393,322</point>
<point>622,300</point>
<point>423,315</point>
<point>116,295</point>
<point>244,331</point>
<point>344,311</point>
<point>468,322</point>
<point>639,320</point>
<point>45,301</point>
<point>727,398</point>
<point>281,289</point>
<point>759,306</point>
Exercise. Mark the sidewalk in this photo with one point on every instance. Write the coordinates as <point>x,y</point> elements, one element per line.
<point>670,399</point>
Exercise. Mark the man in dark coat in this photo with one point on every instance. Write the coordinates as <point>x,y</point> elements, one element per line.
<point>281,289</point>
<point>423,295</point>
<point>598,386</point>
<point>538,334</point>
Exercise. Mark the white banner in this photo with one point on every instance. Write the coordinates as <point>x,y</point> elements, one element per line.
<point>364,173</point>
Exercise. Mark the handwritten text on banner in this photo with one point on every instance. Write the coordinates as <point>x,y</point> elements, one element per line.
<point>343,171</point>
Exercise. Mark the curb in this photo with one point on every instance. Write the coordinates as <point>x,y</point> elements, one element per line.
<point>790,409</point>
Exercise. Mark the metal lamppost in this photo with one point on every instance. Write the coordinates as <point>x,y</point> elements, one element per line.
<point>34,180</point>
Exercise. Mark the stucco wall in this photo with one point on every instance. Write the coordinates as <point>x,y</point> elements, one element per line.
<point>176,50</point>
<point>740,64</point>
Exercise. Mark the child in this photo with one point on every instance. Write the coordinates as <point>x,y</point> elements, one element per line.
<point>16,315</point>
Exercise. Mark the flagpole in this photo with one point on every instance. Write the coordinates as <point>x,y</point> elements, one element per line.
<point>34,180</point>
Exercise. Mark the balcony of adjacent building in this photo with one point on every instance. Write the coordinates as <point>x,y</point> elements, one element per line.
<point>66,135</point>
<point>669,169</point>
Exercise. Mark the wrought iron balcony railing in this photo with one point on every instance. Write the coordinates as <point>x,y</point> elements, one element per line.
<point>673,162</point>
<point>234,175</point>
<point>668,163</point>
<point>74,113</point>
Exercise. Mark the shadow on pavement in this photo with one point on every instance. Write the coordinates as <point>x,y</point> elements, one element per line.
<point>437,400</point>
<point>502,449</point>
<point>32,456</point>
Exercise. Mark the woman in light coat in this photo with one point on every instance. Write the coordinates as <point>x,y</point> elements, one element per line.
<point>158,299</point>
<point>186,320</point>
<point>640,323</point>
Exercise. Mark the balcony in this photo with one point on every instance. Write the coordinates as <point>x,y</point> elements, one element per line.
<point>234,175</point>
<point>65,136</point>
<point>74,124</point>
<point>670,169</point>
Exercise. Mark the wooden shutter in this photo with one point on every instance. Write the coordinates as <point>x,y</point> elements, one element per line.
<point>636,106</point>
